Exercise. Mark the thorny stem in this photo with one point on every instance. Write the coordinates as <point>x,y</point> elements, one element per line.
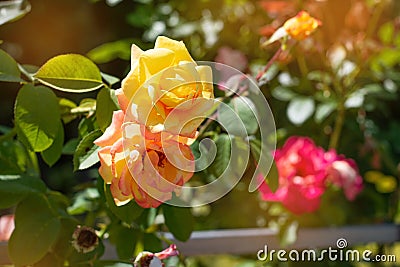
<point>269,64</point>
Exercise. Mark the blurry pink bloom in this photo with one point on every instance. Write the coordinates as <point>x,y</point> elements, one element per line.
<point>344,173</point>
<point>302,171</point>
<point>6,227</point>
<point>232,57</point>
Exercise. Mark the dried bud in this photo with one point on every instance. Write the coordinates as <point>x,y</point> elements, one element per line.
<point>84,239</point>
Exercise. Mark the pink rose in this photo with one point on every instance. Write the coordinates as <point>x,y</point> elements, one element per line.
<point>302,171</point>
<point>344,173</point>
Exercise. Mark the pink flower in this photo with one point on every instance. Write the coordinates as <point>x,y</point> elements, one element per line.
<point>232,57</point>
<point>344,173</point>
<point>302,171</point>
<point>305,170</point>
<point>6,227</point>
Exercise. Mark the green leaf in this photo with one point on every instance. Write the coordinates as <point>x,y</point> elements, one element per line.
<point>238,115</point>
<point>110,51</point>
<point>125,240</point>
<point>272,177</point>
<point>53,153</point>
<point>13,188</point>
<point>9,71</point>
<point>111,80</point>
<point>386,32</point>
<point>222,158</point>
<point>283,93</point>
<point>288,233</point>
<point>324,110</point>
<point>66,106</point>
<point>84,201</point>
<point>70,147</point>
<point>86,153</point>
<point>107,103</point>
<point>37,115</point>
<point>151,242</point>
<point>300,109</point>
<point>13,158</point>
<point>13,10</point>
<point>70,73</point>
<point>179,221</point>
<point>36,230</point>
<point>126,213</point>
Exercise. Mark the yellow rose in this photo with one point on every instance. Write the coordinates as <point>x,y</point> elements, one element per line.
<point>166,80</point>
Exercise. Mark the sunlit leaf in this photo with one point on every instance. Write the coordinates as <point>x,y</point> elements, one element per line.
<point>110,51</point>
<point>70,73</point>
<point>9,71</point>
<point>13,9</point>
<point>86,153</point>
<point>37,115</point>
<point>107,103</point>
<point>52,154</point>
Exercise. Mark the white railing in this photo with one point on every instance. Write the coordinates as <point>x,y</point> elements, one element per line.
<point>250,241</point>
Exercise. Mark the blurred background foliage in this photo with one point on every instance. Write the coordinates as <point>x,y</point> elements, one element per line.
<point>346,77</point>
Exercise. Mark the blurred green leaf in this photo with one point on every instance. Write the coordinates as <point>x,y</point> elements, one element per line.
<point>125,240</point>
<point>13,158</point>
<point>283,93</point>
<point>9,71</point>
<point>37,115</point>
<point>151,242</point>
<point>34,221</point>
<point>300,109</point>
<point>324,110</point>
<point>223,156</point>
<point>84,201</point>
<point>111,80</point>
<point>141,17</point>
<point>386,32</point>
<point>13,9</point>
<point>13,188</point>
<point>86,153</point>
<point>319,76</point>
<point>238,113</point>
<point>107,103</point>
<point>179,221</point>
<point>52,154</point>
<point>70,73</point>
<point>272,177</point>
<point>126,213</point>
<point>70,147</point>
<point>87,125</point>
<point>110,51</point>
<point>66,106</point>
<point>288,233</point>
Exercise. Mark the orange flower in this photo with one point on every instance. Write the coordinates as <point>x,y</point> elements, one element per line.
<point>301,26</point>
<point>142,165</point>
